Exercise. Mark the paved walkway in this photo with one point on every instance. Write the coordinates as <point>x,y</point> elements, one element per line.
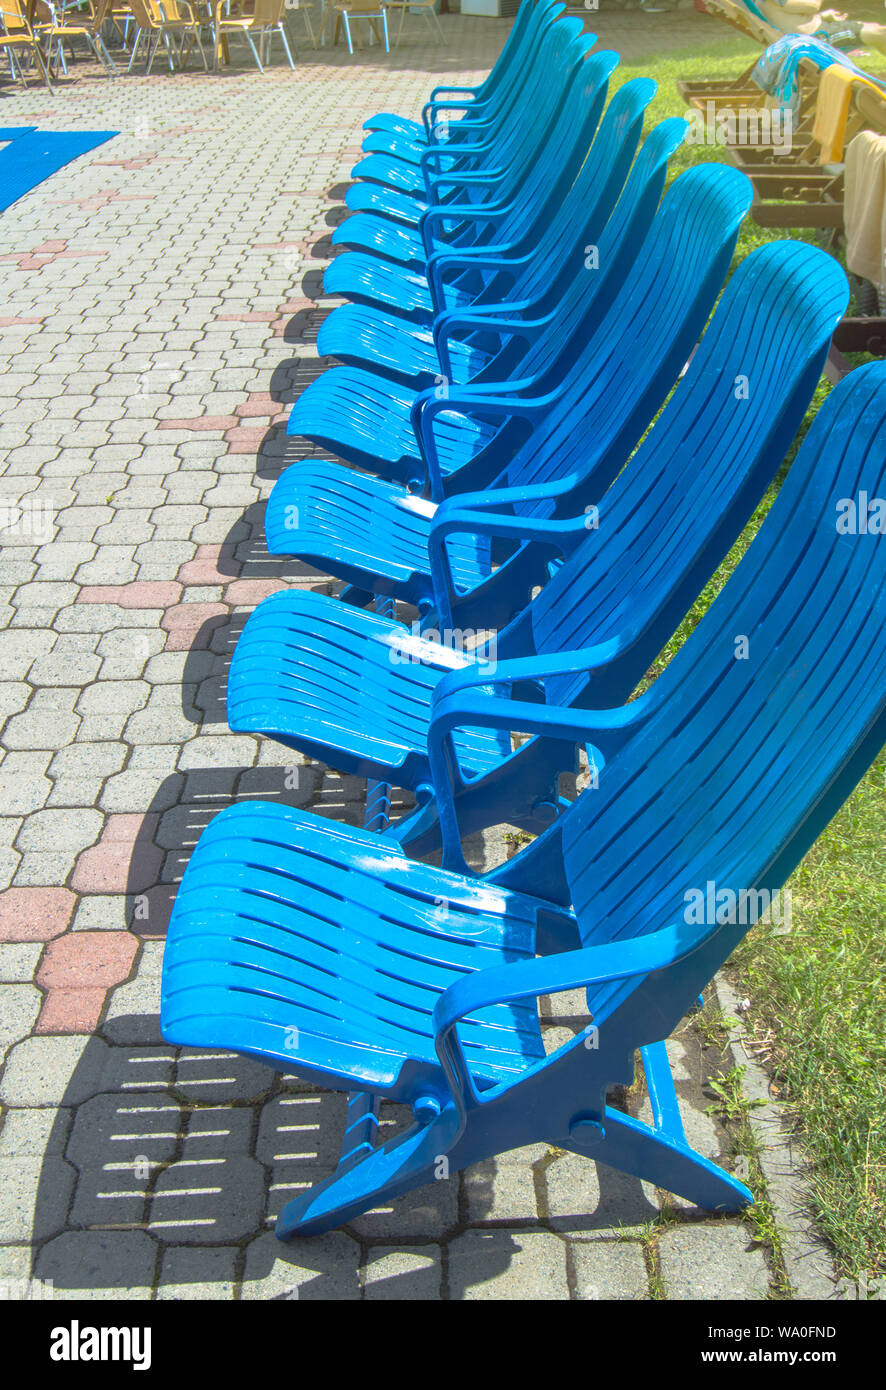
<point>158,320</point>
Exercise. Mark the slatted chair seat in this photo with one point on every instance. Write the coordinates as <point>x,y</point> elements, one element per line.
<point>263,948</point>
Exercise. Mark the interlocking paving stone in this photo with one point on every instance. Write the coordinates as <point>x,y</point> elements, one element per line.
<point>198,1273</point>
<point>323,1267</point>
<point>605,1269</point>
<point>398,1274</point>
<point>506,1265</point>
<point>99,1264</point>
<point>712,1261</point>
<point>36,1193</point>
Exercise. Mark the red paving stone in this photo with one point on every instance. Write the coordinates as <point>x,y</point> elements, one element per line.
<point>71,1010</point>
<point>87,959</point>
<point>18,322</point>
<point>201,422</point>
<point>125,860</point>
<point>145,593</point>
<point>245,592</point>
<point>184,622</point>
<point>204,568</point>
<point>35,914</point>
<point>246,439</point>
<point>249,316</point>
<point>260,403</point>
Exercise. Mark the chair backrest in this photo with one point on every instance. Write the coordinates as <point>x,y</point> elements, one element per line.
<point>564,150</point>
<point>609,382</point>
<point>14,18</point>
<point>144,15</point>
<point>520,135</point>
<point>267,12</point>
<point>557,278</point>
<point>738,764</point>
<point>671,515</point>
<point>515,61</point>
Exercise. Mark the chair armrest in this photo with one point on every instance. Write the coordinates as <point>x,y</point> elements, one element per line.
<point>455,321</point>
<point>453,518</point>
<point>430,403</point>
<point>527,979</point>
<point>492,258</point>
<point>605,729</point>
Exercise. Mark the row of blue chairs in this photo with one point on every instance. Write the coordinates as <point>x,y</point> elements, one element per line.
<point>554,423</point>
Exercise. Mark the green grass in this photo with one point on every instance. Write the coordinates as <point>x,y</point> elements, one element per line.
<point>818,996</point>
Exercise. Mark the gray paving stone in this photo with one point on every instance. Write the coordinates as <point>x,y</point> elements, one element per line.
<point>68,1070</point>
<point>582,1196</point>
<point>608,1269</point>
<point>712,1261</point>
<point>323,1267</point>
<point>34,1132</point>
<point>74,829</point>
<point>503,1189</point>
<point>507,1265</point>
<point>19,1007</point>
<point>18,961</point>
<point>199,1274</point>
<point>204,1200</point>
<point>36,1193</point>
<point>119,1265</point>
<point>397,1274</point>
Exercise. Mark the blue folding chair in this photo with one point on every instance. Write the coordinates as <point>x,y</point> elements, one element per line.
<point>584,392</point>
<point>324,951</point>
<point>483,106</point>
<point>470,252</point>
<point>356,690</point>
<point>545,279</point>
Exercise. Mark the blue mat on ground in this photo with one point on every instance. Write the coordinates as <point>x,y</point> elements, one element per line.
<point>32,155</point>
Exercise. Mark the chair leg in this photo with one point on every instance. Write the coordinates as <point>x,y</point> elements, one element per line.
<point>440,30</point>
<point>404,1163</point>
<point>168,46</point>
<point>662,1159</point>
<point>43,68</point>
<point>403,9</point>
<point>201,48</point>
<point>348,32</point>
<point>286,44</point>
<point>135,46</point>
<point>104,55</point>
<point>254,50</point>
<point>152,53</point>
<point>384,26</point>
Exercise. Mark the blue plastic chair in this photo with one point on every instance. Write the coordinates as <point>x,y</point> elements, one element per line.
<point>542,197</point>
<point>463,344</point>
<point>356,690</point>
<point>326,952</point>
<point>495,163</point>
<point>480,119</point>
<point>655,283</point>
<point>464,252</point>
<point>482,105</point>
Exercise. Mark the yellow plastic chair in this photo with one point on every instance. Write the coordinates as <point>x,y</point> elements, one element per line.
<point>163,23</point>
<point>345,11</point>
<point>427,8</point>
<point>16,37</point>
<point>265,21</point>
<point>66,23</point>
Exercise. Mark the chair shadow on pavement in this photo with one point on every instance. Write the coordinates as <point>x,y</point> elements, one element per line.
<point>165,1169</point>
